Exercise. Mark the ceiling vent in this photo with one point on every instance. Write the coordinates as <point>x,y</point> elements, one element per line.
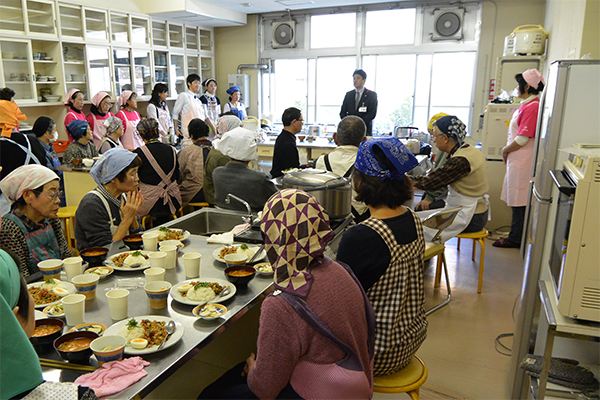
<point>284,34</point>
<point>448,23</point>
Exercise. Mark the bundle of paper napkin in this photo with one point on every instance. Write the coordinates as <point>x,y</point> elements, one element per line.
<point>227,237</point>
<point>114,376</point>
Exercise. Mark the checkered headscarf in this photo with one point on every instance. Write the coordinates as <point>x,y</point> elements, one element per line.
<point>296,229</point>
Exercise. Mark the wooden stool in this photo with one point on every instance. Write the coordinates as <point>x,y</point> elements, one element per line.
<point>199,205</point>
<point>408,380</point>
<point>150,218</point>
<point>67,215</point>
<point>477,237</point>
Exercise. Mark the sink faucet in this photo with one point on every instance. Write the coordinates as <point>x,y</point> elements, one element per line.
<point>246,218</point>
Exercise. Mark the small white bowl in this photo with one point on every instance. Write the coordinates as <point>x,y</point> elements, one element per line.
<point>87,162</point>
<point>235,259</point>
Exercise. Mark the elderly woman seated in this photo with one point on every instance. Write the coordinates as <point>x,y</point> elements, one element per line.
<point>109,212</point>
<point>159,173</point>
<point>114,131</point>
<point>326,349</point>
<point>236,177</point>
<point>31,230</point>
<point>386,251</point>
<point>83,146</point>
<point>20,367</point>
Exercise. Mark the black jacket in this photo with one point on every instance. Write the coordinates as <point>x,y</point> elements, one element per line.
<point>368,99</point>
<point>285,153</point>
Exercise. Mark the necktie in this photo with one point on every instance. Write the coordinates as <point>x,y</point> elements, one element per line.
<point>356,99</point>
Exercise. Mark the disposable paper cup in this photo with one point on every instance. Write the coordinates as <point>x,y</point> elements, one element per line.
<point>191,261</point>
<point>86,285</point>
<point>150,241</point>
<point>74,305</point>
<point>171,256</point>
<point>50,268</point>
<point>108,348</point>
<point>157,293</point>
<point>73,267</point>
<point>117,303</point>
<point>154,274</point>
<point>158,259</point>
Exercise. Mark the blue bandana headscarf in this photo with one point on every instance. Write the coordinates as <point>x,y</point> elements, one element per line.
<point>77,128</point>
<point>453,127</point>
<point>394,150</point>
<point>110,164</point>
<point>233,89</point>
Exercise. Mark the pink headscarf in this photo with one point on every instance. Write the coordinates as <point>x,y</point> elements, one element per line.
<point>30,176</point>
<point>98,97</point>
<point>68,100</point>
<point>533,78</point>
<point>124,97</point>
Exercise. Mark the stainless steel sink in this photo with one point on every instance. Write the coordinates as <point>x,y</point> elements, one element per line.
<point>208,221</point>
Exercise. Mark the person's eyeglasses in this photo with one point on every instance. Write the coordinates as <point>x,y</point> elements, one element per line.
<point>55,195</point>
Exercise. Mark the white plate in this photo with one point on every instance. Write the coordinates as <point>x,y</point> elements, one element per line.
<point>108,262</point>
<point>186,234</point>
<point>175,337</point>
<point>40,315</point>
<point>217,256</point>
<point>65,285</point>
<point>184,300</point>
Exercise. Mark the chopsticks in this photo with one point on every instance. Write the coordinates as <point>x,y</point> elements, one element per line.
<point>45,362</point>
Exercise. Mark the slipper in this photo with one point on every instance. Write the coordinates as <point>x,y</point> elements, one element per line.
<point>503,242</point>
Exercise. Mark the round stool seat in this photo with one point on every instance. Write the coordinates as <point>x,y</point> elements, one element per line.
<point>408,379</point>
<point>474,235</point>
<point>66,212</point>
<point>200,204</point>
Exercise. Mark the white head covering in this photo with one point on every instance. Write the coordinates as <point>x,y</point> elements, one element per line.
<point>25,177</point>
<point>239,144</point>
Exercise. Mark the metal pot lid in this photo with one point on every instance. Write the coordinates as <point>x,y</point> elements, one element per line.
<point>311,177</point>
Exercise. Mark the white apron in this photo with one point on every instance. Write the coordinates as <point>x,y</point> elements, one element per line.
<point>462,220</point>
<point>131,138</point>
<point>196,111</point>
<point>515,188</point>
<point>164,120</point>
<point>98,129</point>
<point>113,227</point>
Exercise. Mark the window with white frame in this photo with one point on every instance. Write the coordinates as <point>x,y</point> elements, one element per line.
<point>413,80</point>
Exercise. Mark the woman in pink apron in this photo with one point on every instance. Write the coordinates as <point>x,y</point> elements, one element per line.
<point>189,106</point>
<point>158,175</point>
<point>131,139</point>
<point>100,110</point>
<point>157,109</point>
<point>518,154</point>
<point>75,102</point>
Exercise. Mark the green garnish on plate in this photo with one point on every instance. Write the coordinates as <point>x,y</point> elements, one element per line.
<point>201,284</point>
<point>136,253</point>
<point>132,323</point>
<point>244,246</point>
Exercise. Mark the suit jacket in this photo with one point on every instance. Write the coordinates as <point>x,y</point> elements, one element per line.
<point>368,99</point>
<point>285,153</point>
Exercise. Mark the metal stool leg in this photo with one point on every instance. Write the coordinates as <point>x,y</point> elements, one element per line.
<point>449,291</point>
<point>481,260</point>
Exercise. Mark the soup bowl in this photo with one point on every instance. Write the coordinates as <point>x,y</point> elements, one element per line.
<point>240,275</point>
<point>94,256</point>
<point>79,355</point>
<point>134,242</point>
<point>43,342</point>
<point>50,268</point>
<point>109,348</point>
<point>86,284</point>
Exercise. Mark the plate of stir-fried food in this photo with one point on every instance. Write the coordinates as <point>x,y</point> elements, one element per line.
<point>49,292</point>
<point>172,234</point>
<point>243,248</point>
<point>201,291</point>
<point>144,334</point>
<point>129,260</point>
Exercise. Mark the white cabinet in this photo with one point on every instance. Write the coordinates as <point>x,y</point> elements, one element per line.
<point>48,72</point>
<point>119,28</point>
<point>159,33</point>
<point>140,32</point>
<point>191,38</point>
<point>161,67</point>
<point>74,68</point>
<point>175,36</point>
<point>193,64</point>
<point>206,41</point>
<point>177,73</point>
<point>40,17</point>
<point>142,73</point>
<point>16,68</point>
<point>11,16</point>
<point>70,18</point>
<point>99,74</point>
<point>122,64</point>
<point>95,25</point>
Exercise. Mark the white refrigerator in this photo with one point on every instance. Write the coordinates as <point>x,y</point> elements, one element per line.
<point>569,114</point>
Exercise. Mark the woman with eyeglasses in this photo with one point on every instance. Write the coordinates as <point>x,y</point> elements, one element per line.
<point>31,230</point>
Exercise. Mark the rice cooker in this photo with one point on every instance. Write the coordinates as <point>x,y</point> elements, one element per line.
<point>530,39</point>
<point>315,130</point>
<point>509,45</point>
<point>332,191</point>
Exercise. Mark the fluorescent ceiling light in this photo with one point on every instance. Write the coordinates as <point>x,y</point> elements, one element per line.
<point>294,2</point>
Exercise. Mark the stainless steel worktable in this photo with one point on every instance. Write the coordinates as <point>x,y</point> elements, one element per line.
<point>198,333</point>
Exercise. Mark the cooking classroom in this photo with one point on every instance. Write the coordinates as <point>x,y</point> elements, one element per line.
<point>180,180</point>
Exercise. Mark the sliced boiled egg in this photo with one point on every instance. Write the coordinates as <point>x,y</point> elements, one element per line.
<point>184,288</point>
<point>139,344</point>
<point>60,291</point>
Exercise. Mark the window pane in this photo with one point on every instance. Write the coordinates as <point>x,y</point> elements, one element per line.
<point>423,79</point>
<point>334,79</point>
<point>290,86</point>
<point>389,27</point>
<point>332,30</point>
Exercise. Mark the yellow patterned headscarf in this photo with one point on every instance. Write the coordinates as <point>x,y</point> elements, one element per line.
<point>435,118</point>
<point>296,229</point>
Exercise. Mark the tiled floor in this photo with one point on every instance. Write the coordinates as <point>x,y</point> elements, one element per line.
<point>459,350</point>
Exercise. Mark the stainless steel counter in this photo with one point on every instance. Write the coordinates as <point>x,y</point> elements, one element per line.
<point>198,333</point>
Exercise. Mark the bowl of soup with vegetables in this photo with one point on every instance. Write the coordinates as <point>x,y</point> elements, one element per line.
<point>75,346</point>
<point>94,255</point>
<point>46,331</point>
<point>240,275</point>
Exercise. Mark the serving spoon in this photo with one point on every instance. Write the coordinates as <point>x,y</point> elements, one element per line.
<point>169,328</point>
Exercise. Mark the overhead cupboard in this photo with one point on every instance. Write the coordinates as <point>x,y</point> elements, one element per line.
<point>49,47</point>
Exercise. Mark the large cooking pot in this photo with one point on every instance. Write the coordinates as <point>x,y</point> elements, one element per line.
<point>332,191</point>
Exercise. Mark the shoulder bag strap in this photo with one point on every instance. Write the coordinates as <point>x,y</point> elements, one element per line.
<point>327,163</point>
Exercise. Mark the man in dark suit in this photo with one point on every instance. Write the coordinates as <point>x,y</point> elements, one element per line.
<point>361,101</point>
<point>285,152</point>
